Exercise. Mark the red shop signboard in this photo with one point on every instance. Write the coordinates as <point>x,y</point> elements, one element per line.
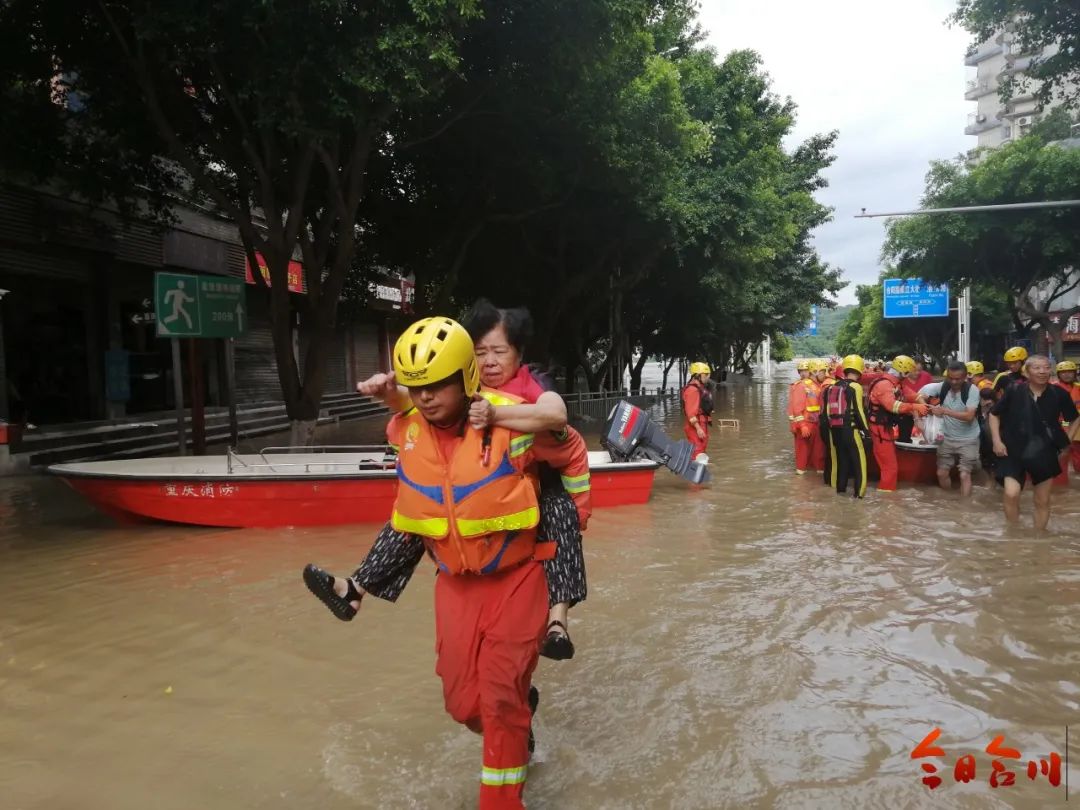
<point>1071,332</point>
<point>296,273</point>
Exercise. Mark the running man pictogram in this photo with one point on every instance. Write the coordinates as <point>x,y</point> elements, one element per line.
<point>176,297</point>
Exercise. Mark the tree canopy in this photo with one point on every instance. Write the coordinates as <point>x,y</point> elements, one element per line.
<point>590,159</point>
<point>1031,254</point>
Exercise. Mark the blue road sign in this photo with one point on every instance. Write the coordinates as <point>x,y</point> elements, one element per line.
<point>811,325</point>
<point>914,298</point>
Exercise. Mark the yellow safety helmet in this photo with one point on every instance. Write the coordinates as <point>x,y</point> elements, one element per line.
<point>903,364</point>
<point>433,349</point>
<point>1067,365</point>
<point>975,367</point>
<point>802,365</point>
<point>818,365</point>
<point>699,368</point>
<point>1016,354</point>
<point>853,363</point>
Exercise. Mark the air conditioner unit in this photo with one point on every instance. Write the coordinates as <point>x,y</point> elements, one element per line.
<point>980,119</point>
<point>1023,122</point>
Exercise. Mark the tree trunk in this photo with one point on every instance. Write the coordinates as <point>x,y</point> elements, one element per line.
<point>635,373</point>
<point>1057,339</point>
<point>667,369</point>
<point>302,432</point>
<point>592,379</point>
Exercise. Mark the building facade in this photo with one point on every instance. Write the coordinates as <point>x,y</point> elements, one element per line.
<point>78,339</point>
<point>995,123</point>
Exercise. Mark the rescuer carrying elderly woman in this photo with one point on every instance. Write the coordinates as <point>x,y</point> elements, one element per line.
<point>471,495</point>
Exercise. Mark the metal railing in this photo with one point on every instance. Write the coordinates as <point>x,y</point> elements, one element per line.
<point>977,88</point>
<point>598,404</point>
<point>388,461</point>
<point>987,49</point>
<point>980,122</point>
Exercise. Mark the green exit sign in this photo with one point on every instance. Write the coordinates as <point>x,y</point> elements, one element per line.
<point>188,305</point>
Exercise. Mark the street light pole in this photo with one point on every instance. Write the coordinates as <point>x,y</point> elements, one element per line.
<point>968,209</point>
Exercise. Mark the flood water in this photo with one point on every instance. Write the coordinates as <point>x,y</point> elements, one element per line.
<point>761,642</point>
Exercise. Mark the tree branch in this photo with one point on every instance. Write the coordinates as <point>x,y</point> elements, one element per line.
<point>137,62</point>
<point>461,114</point>
<point>246,140</point>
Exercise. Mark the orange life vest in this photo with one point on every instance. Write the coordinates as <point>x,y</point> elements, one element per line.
<point>810,402</point>
<point>1074,393</point>
<point>473,518</point>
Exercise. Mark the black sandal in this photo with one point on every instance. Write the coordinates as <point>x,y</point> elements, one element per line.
<point>321,584</point>
<point>556,645</point>
<point>534,701</point>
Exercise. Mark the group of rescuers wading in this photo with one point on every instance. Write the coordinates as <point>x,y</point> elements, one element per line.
<point>1016,425</point>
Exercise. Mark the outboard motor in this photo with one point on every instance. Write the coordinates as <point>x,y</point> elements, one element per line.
<point>629,433</point>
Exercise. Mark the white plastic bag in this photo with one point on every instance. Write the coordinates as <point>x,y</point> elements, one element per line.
<point>933,429</point>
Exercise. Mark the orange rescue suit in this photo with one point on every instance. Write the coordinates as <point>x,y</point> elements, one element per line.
<point>474,503</point>
<point>691,400</point>
<point>883,405</point>
<point>804,412</point>
<point>1074,451</point>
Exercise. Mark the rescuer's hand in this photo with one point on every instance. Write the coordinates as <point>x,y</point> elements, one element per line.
<point>378,385</point>
<point>700,432</point>
<point>919,409</point>
<point>481,413</point>
<point>806,430</point>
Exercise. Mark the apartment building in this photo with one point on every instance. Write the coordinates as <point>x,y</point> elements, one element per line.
<point>993,122</point>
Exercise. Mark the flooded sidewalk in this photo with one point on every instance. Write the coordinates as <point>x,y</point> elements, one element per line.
<point>761,642</point>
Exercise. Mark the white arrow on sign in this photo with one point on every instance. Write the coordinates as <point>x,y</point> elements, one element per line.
<point>142,317</point>
<point>147,303</point>
<point>240,315</point>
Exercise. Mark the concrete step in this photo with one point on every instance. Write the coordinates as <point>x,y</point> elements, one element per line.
<point>102,441</point>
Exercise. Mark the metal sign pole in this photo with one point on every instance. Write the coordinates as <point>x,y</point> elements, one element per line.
<point>230,385</point>
<point>963,323</point>
<point>178,394</point>
<point>198,394</point>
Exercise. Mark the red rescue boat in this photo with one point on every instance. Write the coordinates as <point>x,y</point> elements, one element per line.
<point>325,486</point>
<point>916,463</point>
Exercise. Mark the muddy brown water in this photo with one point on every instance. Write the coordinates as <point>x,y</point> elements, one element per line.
<point>760,642</point>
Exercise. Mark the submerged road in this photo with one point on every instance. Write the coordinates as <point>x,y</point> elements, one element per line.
<point>760,642</point>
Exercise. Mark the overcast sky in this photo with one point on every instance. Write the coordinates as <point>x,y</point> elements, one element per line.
<point>888,75</point>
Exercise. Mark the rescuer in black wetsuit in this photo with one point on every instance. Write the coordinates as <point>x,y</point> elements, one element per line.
<point>849,430</point>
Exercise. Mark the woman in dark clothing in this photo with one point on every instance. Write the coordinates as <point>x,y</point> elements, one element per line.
<point>1028,437</point>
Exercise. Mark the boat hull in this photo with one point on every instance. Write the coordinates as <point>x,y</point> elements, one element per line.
<point>308,492</point>
<point>915,463</point>
<point>243,504</point>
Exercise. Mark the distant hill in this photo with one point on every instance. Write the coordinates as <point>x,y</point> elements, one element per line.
<point>823,344</point>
